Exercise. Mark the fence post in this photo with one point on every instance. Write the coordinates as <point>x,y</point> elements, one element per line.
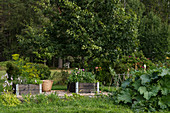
<point>17,89</point>
<point>77,85</point>
<point>97,87</point>
<point>40,87</point>
<point>144,67</point>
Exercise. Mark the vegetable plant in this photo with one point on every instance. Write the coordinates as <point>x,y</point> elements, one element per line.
<point>146,91</point>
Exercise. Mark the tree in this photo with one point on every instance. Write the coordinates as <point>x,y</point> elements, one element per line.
<point>15,15</point>
<point>153,35</point>
<point>103,29</point>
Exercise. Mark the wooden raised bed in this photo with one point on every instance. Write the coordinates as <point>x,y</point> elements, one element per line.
<point>25,89</point>
<point>83,87</point>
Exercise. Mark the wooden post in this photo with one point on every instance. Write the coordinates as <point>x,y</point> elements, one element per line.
<point>97,87</point>
<point>77,85</point>
<point>40,87</point>
<point>128,72</point>
<point>144,67</point>
<point>17,89</point>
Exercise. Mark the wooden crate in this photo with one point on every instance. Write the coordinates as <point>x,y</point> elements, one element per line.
<point>25,89</point>
<point>82,87</point>
<point>87,87</point>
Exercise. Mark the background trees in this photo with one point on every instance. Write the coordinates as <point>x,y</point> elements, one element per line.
<point>103,29</point>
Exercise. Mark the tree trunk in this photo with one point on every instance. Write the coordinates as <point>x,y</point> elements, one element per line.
<point>60,63</point>
<point>54,61</point>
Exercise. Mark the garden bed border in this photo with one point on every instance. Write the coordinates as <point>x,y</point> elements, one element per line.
<point>17,88</point>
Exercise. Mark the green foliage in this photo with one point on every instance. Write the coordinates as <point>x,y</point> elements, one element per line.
<point>15,15</point>
<point>43,71</point>
<point>70,28</point>
<point>21,71</point>
<point>132,62</point>
<point>146,91</point>
<point>153,36</point>
<point>80,75</point>
<point>3,65</point>
<point>12,70</point>
<point>9,99</point>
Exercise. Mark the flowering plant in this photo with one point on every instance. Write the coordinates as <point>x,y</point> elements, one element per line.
<point>8,85</point>
<point>80,75</point>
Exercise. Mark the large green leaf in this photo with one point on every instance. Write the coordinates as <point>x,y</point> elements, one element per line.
<point>136,84</point>
<point>147,95</point>
<point>155,90</point>
<point>164,91</point>
<point>125,96</point>
<point>145,79</point>
<point>165,100</point>
<point>162,105</point>
<point>142,89</point>
<point>126,83</point>
<point>164,72</point>
<point>139,98</point>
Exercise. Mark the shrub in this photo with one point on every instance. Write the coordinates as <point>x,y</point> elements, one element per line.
<point>9,99</point>
<point>146,91</point>
<point>3,65</point>
<point>12,70</point>
<point>43,71</point>
<point>21,71</point>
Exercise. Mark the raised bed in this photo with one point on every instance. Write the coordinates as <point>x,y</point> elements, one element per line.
<point>83,87</point>
<point>25,89</point>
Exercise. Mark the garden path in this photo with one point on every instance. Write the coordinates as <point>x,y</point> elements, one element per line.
<point>61,93</point>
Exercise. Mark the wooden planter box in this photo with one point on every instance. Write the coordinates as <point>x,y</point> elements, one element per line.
<point>25,89</point>
<point>83,87</point>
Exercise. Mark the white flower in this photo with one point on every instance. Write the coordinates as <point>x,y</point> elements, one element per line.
<point>11,78</point>
<point>4,90</point>
<point>8,83</point>
<point>4,85</point>
<point>11,83</point>
<point>6,75</point>
<point>18,78</point>
<point>21,80</point>
<point>13,88</point>
<point>35,81</point>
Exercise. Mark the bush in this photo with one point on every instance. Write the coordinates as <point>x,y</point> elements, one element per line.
<point>3,65</point>
<point>146,91</point>
<point>9,99</point>
<point>43,71</point>
<point>12,70</point>
<point>21,71</point>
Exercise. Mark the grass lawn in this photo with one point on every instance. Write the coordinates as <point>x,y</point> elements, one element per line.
<point>59,87</point>
<point>76,104</point>
<point>67,105</point>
